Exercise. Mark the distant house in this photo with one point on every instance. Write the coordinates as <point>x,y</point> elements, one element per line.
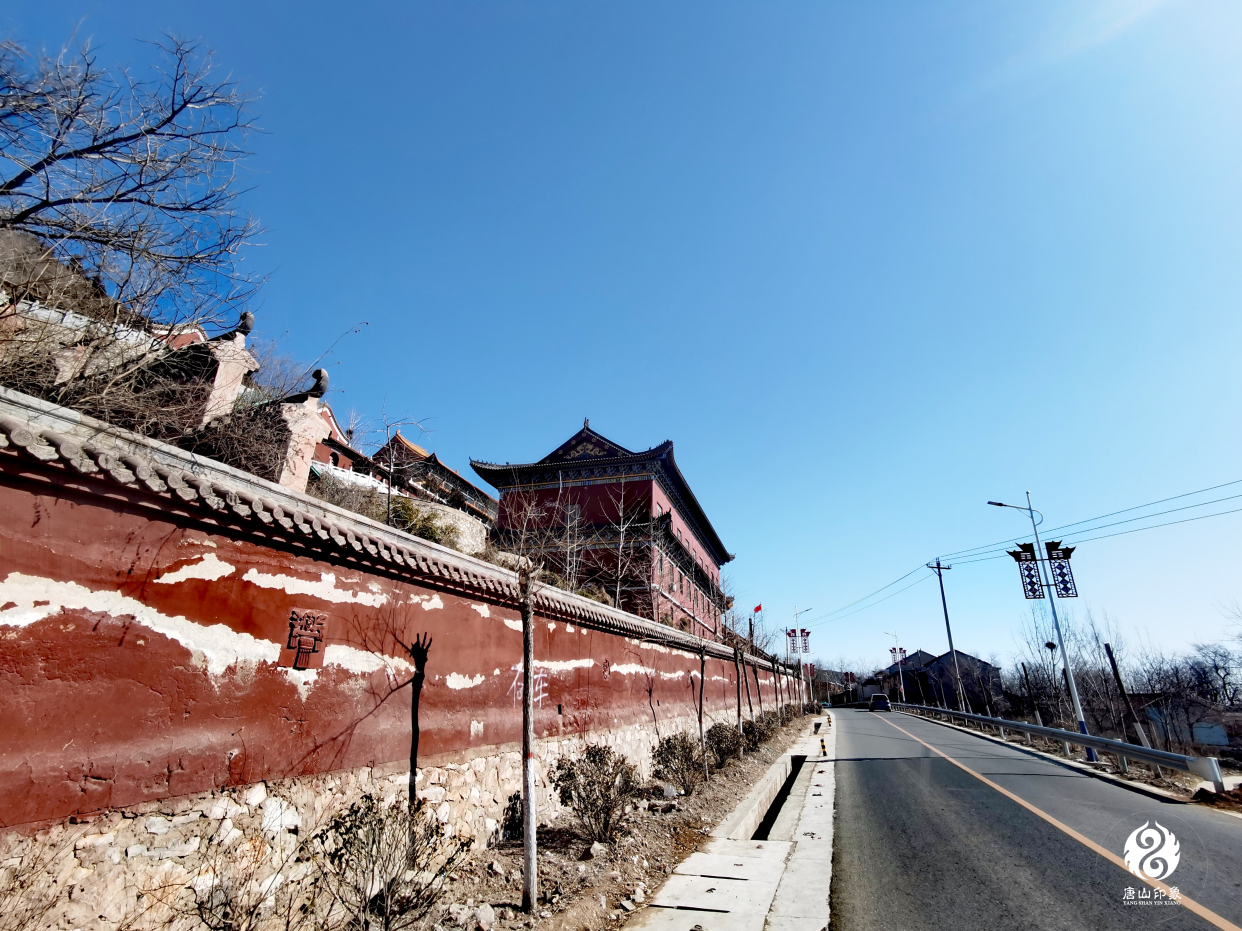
<point>915,660</point>
<point>931,680</point>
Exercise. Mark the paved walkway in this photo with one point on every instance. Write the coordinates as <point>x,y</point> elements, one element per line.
<point>733,883</point>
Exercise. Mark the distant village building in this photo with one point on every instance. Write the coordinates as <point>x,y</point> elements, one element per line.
<point>623,526</point>
<point>931,680</point>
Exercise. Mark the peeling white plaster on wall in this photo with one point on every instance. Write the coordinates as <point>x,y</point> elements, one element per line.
<point>190,541</point>
<point>429,602</point>
<point>484,610</point>
<point>496,672</point>
<point>565,664</point>
<point>216,646</point>
<point>551,626</point>
<point>629,669</point>
<point>569,628</point>
<point>457,681</point>
<point>647,645</point>
<point>220,646</point>
<point>361,661</point>
<point>513,625</point>
<point>303,679</point>
<point>325,588</point>
<point>671,675</point>
<point>210,568</point>
<point>476,729</point>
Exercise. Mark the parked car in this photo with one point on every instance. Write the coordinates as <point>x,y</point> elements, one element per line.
<point>878,703</point>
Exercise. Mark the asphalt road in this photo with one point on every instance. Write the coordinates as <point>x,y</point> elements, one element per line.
<point>922,844</point>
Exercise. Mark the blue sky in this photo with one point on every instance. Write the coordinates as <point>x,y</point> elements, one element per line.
<point>867,265</point>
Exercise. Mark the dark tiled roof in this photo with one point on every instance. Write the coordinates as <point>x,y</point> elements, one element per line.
<point>589,451</point>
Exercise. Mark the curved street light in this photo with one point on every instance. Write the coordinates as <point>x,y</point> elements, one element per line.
<point>1052,603</point>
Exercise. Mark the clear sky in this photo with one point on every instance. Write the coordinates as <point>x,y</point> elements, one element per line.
<point>868,265</point>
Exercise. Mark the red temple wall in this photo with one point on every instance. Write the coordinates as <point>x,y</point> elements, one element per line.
<point>142,658</point>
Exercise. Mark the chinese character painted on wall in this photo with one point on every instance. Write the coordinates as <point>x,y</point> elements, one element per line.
<point>305,636</point>
<point>539,682</point>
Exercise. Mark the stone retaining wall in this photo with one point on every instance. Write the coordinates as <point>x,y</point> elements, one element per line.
<point>122,868</point>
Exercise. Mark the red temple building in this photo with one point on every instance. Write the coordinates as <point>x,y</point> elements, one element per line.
<point>618,525</point>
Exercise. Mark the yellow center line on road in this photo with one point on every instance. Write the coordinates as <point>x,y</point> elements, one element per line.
<point>1200,910</point>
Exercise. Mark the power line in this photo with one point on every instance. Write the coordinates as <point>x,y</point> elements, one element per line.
<point>1184,520</point>
<point>1129,520</point>
<point>986,552</point>
<point>1137,507</point>
<point>865,597</point>
<point>820,621</point>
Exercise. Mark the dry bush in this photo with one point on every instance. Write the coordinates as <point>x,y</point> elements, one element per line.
<point>677,760</point>
<point>28,887</point>
<point>760,730</point>
<point>596,787</point>
<point>248,886</point>
<point>382,867</point>
<point>723,743</point>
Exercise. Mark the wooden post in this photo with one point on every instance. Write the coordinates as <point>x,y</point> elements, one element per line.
<point>702,685</point>
<point>737,679</point>
<point>530,815</point>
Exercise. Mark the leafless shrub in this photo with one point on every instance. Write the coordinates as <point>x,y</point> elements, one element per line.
<point>28,887</point>
<point>246,885</point>
<point>596,787</point>
<point>382,867</point>
<point>677,759</point>
<point>723,743</point>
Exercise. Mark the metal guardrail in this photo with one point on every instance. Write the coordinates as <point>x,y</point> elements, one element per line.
<point>1205,767</point>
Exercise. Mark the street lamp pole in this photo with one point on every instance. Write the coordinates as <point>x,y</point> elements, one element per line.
<point>797,614</point>
<point>901,673</point>
<point>1056,623</point>
<point>961,692</point>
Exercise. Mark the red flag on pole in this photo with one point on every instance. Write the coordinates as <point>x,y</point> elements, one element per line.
<point>758,608</point>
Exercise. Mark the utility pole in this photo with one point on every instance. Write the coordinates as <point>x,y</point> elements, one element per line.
<point>1056,622</point>
<point>1125,696</point>
<point>957,673</point>
<point>1031,696</point>
<point>530,815</point>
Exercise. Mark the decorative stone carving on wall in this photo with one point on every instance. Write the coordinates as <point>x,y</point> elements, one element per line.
<point>304,649</point>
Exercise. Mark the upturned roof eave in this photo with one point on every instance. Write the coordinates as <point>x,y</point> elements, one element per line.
<point>657,455</point>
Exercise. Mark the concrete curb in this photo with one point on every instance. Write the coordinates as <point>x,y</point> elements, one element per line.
<point>744,820</point>
<point>734,883</point>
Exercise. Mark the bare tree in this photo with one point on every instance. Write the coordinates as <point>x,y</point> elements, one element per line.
<point>132,180</point>
<point>531,536</point>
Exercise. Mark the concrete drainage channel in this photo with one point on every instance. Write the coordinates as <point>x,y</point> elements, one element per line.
<point>768,866</point>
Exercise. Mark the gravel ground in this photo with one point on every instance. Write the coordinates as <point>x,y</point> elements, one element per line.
<point>583,893</point>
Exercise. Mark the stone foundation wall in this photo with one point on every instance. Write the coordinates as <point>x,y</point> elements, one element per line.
<point>130,868</point>
<point>471,533</point>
